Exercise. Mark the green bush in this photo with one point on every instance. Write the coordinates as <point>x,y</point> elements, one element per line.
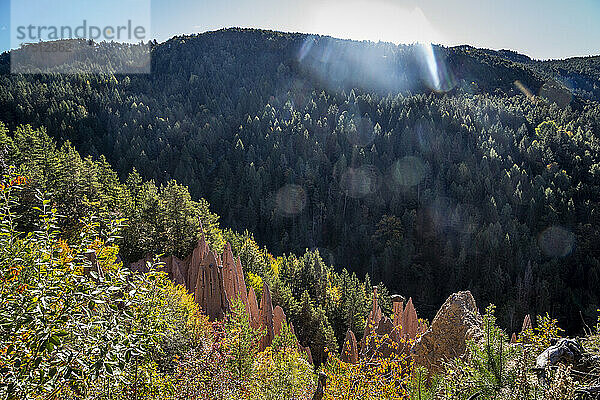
<point>73,322</point>
<point>281,372</point>
<point>492,369</point>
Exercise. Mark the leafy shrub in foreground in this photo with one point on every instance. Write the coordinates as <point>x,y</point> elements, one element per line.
<point>74,323</point>
<point>377,376</point>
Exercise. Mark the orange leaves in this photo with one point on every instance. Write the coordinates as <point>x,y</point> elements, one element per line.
<point>65,253</point>
<point>17,181</point>
<point>382,374</point>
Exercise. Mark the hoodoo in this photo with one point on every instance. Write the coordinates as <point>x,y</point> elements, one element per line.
<point>217,281</point>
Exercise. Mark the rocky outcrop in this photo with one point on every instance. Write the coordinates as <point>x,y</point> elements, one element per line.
<point>411,326</point>
<point>265,318</point>
<point>526,329</point>
<point>278,320</point>
<point>218,280</point>
<point>213,280</point>
<point>406,322</point>
<point>233,277</point>
<point>210,289</point>
<point>253,309</point>
<point>350,349</point>
<point>401,331</point>
<point>372,320</point>
<point>177,269</point>
<point>194,260</point>
<point>527,325</point>
<point>457,321</point>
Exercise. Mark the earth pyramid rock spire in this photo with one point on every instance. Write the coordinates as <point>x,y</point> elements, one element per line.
<point>253,307</point>
<point>278,320</point>
<point>266,318</point>
<point>527,325</point>
<point>410,321</point>
<point>372,320</point>
<point>457,321</point>
<point>350,349</point>
<point>218,280</point>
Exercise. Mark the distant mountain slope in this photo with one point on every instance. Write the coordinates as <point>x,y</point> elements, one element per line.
<point>432,169</point>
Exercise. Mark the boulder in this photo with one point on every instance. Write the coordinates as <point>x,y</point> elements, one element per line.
<point>568,352</point>
<point>457,321</point>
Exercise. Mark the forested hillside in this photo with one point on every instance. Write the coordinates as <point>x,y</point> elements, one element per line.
<point>149,220</point>
<point>431,169</point>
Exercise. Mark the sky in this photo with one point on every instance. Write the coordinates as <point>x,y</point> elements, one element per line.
<point>542,29</point>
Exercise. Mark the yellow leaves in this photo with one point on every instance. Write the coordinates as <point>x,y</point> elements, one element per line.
<point>275,264</point>
<point>383,374</point>
<point>255,281</point>
<point>13,273</point>
<point>541,337</point>
<point>335,294</point>
<point>17,181</point>
<point>281,375</point>
<point>105,255</point>
<point>65,253</point>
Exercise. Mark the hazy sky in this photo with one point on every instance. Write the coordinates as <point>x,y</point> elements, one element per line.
<point>539,28</point>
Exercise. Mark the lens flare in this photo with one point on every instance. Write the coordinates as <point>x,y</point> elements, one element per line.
<point>408,171</point>
<point>525,90</point>
<point>290,200</point>
<point>308,44</point>
<point>440,78</point>
<point>556,242</point>
<point>360,182</point>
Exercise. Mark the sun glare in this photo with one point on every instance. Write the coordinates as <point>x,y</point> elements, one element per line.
<point>373,20</point>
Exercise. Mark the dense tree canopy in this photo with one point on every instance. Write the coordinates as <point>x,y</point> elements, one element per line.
<point>431,169</point>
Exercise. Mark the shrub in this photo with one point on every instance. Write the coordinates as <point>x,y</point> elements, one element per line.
<point>241,342</point>
<point>281,372</point>
<point>492,369</point>
<point>382,375</point>
<point>74,323</point>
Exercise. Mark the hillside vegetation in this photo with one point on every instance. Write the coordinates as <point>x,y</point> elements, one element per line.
<point>77,324</point>
<point>431,169</point>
